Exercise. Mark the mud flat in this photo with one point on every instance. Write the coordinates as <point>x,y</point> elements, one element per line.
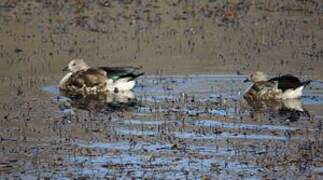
<point>172,129</point>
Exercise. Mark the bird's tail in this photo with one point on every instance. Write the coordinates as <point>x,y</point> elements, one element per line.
<point>134,76</point>
<point>306,83</point>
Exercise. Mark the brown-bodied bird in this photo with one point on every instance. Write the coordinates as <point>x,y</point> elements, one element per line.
<point>83,79</point>
<point>281,87</point>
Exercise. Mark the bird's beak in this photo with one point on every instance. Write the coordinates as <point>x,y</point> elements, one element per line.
<point>65,68</point>
<point>246,80</point>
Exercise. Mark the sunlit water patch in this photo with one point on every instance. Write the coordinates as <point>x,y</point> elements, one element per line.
<point>182,127</point>
<point>201,88</point>
<point>152,161</point>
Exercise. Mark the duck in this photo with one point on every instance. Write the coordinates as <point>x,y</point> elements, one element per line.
<point>281,87</point>
<point>83,79</point>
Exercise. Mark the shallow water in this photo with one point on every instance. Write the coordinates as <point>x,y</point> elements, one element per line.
<point>175,126</point>
<point>178,130</point>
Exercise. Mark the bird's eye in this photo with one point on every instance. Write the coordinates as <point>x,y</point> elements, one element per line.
<point>73,64</point>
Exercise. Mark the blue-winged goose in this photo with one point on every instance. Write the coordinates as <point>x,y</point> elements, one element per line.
<point>282,87</point>
<point>83,79</point>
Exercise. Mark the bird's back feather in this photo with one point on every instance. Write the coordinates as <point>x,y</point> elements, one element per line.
<point>116,73</point>
<point>88,78</point>
<point>286,82</point>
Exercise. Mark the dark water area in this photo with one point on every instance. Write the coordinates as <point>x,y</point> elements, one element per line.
<point>169,128</point>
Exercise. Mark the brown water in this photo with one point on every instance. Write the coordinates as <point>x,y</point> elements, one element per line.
<point>188,119</point>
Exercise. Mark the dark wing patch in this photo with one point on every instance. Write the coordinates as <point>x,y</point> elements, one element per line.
<point>119,71</point>
<point>116,73</point>
<point>287,82</point>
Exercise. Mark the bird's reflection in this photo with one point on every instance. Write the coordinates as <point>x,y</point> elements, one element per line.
<point>103,102</point>
<point>289,109</point>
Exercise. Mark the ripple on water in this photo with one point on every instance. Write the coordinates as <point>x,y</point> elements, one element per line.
<point>163,113</point>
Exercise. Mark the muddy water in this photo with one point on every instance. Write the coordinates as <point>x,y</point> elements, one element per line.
<point>170,126</point>
<point>186,117</point>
